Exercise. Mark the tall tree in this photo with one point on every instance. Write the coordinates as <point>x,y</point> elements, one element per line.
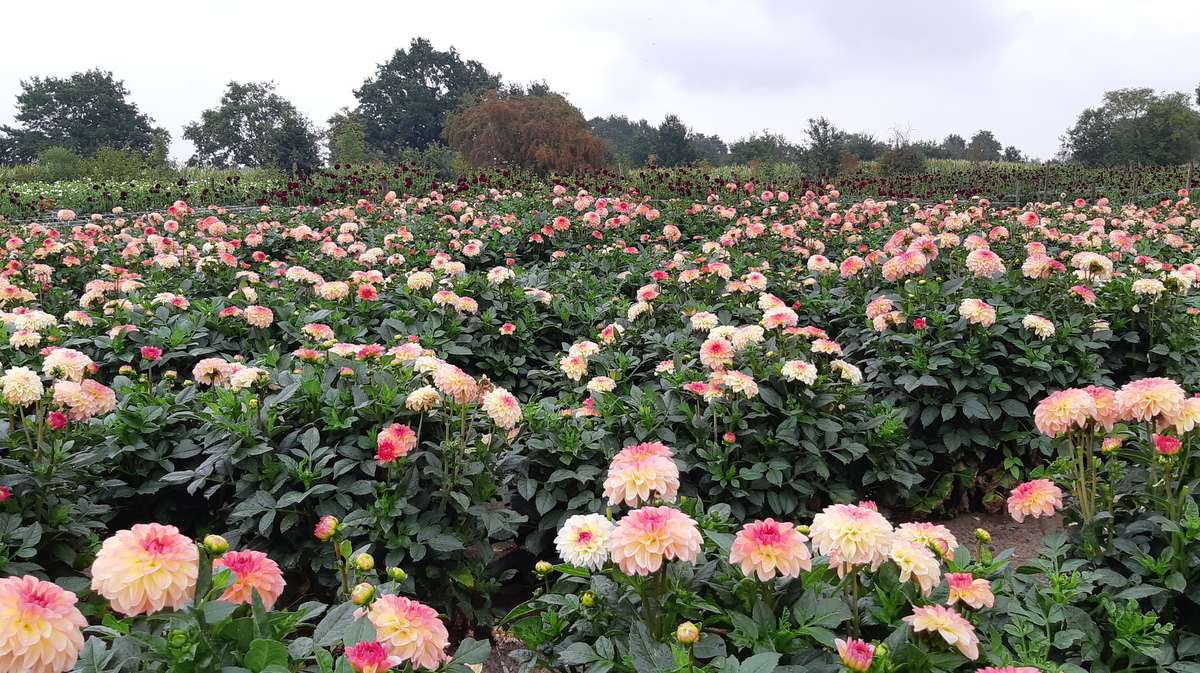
<point>82,113</point>
<point>825,147</point>
<point>710,149</point>
<point>764,147</point>
<point>984,147</point>
<point>629,142</point>
<point>1136,126</point>
<point>406,103</point>
<point>1011,153</point>
<point>955,146</point>
<point>543,133</point>
<point>672,143</point>
<point>254,126</point>
<point>864,146</point>
<point>346,136</point>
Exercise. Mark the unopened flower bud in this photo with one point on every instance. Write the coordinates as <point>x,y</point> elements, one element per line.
<point>543,567</point>
<point>982,535</point>
<point>588,599</point>
<point>362,593</point>
<point>364,562</point>
<point>215,545</point>
<point>687,634</point>
<point>397,574</point>
<point>327,527</point>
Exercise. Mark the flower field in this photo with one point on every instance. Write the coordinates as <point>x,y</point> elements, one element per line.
<point>642,426</point>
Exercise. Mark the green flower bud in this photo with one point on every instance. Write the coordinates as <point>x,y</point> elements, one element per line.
<point>362,593</point>
<point>364,562</point>
<point>687,633</point>
<point>215,545</point>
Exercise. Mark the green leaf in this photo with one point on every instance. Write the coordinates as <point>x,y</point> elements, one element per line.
<point>330,630</point>
<point>1067,637</point>
<point>577,654</point>
<point>264,653</point>
<point>648,655</point>
<point>471,651</point>
<point>1139,591</point>
<point>760,663</point>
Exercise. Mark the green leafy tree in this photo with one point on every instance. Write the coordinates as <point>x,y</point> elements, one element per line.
<point>984,147</point>
<point>710,149</point>
<point>903,160</point>
<point>254,126</point>
<point>629,142</point>
<point>347,137</point>
<point>1011,153</point>
<point>80,113</point>
<point>955,146</point>
<point>60,163</point>
<point>672,143</point>
<point>1136,126</point>
<point>825,147</point>
<point>406,103</point>
<point>863,145</point>
<point>764,147</point>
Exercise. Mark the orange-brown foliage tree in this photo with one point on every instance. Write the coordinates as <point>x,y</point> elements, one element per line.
<point>543,133</point>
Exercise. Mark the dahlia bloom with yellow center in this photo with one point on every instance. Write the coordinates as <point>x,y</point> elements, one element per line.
<point>799,370</point>
<point>40,627</point>
<point>1186,418</point>
<point>768,548</point>
<point>716,353</point>
<point>409,630</point>
<point>258,316</point>
<point>1036,498</point>
<point>639,472</point>
<point>1106,415</point>
<point>455,383</point>
<point>1064,410</point>
<point>145,569</point>
<point>252,571</point>
<point>503,408</point>
<point>1040,326</point>
<point>646,537</point>
<point>984,263</point>
<point>953,627</point>
<point>851,535</point>
<point>1149,399</point>
<point>977,312</point>
<point>916,563</point>
<point>929,535</point>
<point>964,587</point>
<point>583,540</point>
<point>21,386</point>
<point>394,442</point>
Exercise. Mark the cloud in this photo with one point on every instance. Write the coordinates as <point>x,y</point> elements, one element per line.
<point>1021,68</point>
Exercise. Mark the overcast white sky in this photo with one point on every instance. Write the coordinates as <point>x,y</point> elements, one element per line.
<point>1022,68</point>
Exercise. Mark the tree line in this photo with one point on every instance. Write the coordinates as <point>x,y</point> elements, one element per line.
<point>425,100</point>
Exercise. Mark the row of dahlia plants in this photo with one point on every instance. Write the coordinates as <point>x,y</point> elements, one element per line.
<point>170,604</point>
<point>672,586</point>
<point>449,374</point>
